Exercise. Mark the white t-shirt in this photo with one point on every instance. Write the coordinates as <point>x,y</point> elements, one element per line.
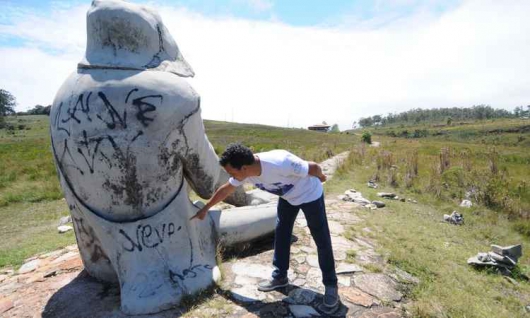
<point>286,175</point>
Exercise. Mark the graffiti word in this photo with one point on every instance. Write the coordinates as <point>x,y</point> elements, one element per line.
<point>148,236</point>
<point>191,272</point>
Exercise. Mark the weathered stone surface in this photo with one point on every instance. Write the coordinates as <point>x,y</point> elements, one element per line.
<point>357,297</point>
<point>2,278</point>
<point>378,285</point>
<point>301,311</point>
<point>344,281</point>
<point>300,296</point>
<point>344,268</point>
<point>252,270</point>
<point>381,313</point>
<point>335,228</point>
<point>5,305</point>
<point>247,294</point>
<point>312,260</point>
<point>300,282</point>
<point>29,266</point>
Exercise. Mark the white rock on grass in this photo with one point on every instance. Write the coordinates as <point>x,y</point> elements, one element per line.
<point>64,228</point>
<point>29,266</point>
<point>466,204</point>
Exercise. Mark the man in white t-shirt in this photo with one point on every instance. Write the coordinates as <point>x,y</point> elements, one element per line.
<point>298,184</point>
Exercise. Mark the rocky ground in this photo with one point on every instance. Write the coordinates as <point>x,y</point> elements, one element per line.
<point>55,285</point>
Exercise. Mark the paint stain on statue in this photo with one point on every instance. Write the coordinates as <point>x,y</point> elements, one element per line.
<point>201,182</point>
<point>120,34</point>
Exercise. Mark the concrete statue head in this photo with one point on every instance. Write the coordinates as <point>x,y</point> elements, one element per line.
<point>128,141</point>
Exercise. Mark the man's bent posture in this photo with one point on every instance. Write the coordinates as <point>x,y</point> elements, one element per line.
<point>298,183</point>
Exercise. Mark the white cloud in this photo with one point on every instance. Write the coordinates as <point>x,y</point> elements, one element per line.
<point>273,73</point>
<point>257,5</point>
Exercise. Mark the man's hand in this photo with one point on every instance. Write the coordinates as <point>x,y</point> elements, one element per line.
<point>316,171</point>
<point>322,178</point>
<point>201,214</point>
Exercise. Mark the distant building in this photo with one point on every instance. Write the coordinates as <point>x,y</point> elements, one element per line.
<point>322,127</point>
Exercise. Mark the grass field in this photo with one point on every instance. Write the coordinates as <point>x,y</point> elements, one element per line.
<point>489,160</point>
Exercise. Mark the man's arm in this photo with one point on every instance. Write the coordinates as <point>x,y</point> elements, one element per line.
<point>316,171</point>
<point>222,193</point>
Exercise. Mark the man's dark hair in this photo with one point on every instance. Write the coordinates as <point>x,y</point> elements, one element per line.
<point>237,156</point>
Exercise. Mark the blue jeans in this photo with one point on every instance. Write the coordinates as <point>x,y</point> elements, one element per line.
<point>315,214</point>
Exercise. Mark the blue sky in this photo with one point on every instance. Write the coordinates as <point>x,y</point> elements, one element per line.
<point>295,62</point>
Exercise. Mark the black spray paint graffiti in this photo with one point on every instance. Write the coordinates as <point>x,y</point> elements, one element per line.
<point>81,110</point>
<point>88,238</point>
<point>148,236</point>
<point>189,273</point>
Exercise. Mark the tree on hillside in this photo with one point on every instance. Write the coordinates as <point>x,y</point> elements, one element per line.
<point>334,128</point>
<point>7,103</point>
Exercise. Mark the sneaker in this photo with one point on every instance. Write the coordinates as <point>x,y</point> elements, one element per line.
<point>272,284</point>
<point>331,296</point>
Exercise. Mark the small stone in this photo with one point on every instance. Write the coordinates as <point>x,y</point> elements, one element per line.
<point>301,311</point>
<point>65,220</point>
<point>295,250</point>
<point>50,273</point>
<point>299,282</point>
<point>312,260</point>
<point>303,268</point>
<point>379,204</point>
<point>386,195</point>
<point>35,278</point>
<point>64,228</point>
<point>300,259</point>
<point>371,206</point>
<point>308,250</point>
<point>29,266</point>
<point>7,272</point>
<point>5,305</point>
<point>466,204</point>
<point>348,269</point>
<point>300,296</point>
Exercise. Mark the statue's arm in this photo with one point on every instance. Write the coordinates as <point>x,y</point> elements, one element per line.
<point>201,164</point>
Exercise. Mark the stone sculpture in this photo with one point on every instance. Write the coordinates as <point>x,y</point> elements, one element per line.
<point>128,142</point>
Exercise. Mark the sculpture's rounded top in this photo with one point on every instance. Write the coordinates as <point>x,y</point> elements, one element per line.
<point>122,35</point>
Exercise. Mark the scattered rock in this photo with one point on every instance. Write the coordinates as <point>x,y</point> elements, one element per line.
<point>455,218</point>
<point>64,228</point>
<point>371,206</point>
<point>29,266</point>
<point>386,195</point>
<point>379,204</point>
<point>372,184</point>
<point>65,220</point>
<point>500,257</point>
<point>466,204</point>
<point>302,311</point>
<point>300,296</point>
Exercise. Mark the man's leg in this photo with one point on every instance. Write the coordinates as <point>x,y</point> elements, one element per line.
<point>282,245</point>
<point>282,237</point>
<point>315,214</point>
